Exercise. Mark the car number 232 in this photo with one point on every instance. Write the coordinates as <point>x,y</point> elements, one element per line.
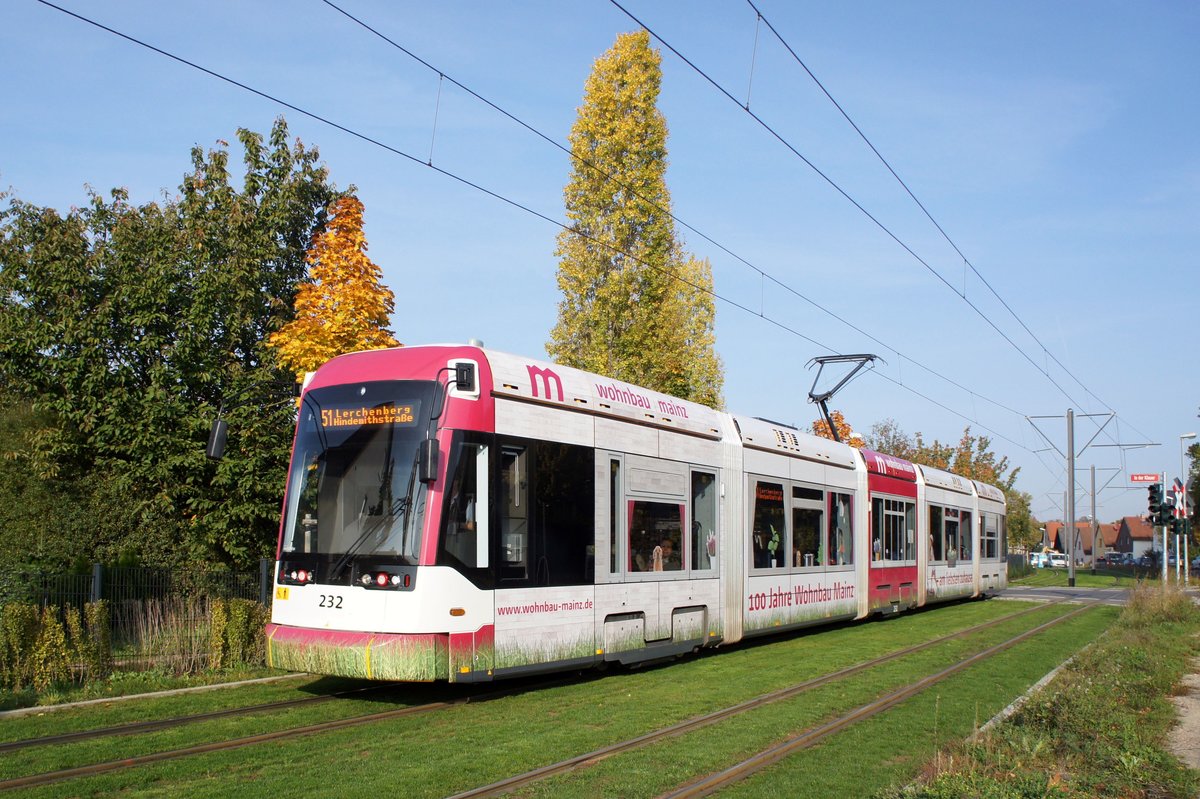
<point>333,601</point>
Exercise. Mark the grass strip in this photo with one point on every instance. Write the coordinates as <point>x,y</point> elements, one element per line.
<point>445,752</point>
<point>1097,730</point>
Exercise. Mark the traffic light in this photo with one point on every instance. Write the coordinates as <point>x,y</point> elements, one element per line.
<point>1166,512</point>
<point>1154,502</point>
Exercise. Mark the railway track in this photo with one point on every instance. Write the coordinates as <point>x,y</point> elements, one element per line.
<point>236,743</point>
<point>710,784</point>
<point>515,782</point>
<point>503,786</point>
<point>153,725</point>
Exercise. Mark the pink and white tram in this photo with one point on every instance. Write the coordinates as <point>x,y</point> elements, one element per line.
<point>457,513</point>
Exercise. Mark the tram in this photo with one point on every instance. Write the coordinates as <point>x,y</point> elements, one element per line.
<point>457,513</point>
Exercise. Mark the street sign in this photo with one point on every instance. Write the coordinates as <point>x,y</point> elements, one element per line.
<point>1145,478</point>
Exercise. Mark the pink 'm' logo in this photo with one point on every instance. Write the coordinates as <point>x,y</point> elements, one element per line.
<point>546,376</point>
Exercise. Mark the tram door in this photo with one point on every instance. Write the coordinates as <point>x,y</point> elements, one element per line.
<point>892,577</point>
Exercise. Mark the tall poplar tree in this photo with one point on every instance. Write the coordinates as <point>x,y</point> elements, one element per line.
<point>635,307</point>
<point>343,306</point>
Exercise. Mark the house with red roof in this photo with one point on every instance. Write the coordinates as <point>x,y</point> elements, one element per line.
<point>1137,534</point>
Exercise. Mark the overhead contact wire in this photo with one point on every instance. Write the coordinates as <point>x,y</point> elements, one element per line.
<point>846,195</point>
<point>478,187</point>
<point>761,19</point>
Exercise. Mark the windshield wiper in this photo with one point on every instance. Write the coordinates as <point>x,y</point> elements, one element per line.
<point>398,507</point>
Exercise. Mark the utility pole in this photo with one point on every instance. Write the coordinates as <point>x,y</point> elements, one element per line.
<point>1069,498</point>
<point>1070,524</point>
<point>1094,525</point>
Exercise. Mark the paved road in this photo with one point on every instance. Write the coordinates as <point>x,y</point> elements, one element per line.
<point>1107,596</point>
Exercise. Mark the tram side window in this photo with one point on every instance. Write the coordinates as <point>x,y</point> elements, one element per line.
<point>807,522</point>
<point>547,514</point>
<point>655,536</point>
<point>839,549</point>
<point>614,515</point>
<point>768,530</point>
<point>1003,537</point>
<point>936,534</point>
<point>964,538</point>
<point>514,512</point>
<point>894,528</point>
<point>704,521</point>
<point>465,514</point>
<point>951,536</point>
<point>989,539</point>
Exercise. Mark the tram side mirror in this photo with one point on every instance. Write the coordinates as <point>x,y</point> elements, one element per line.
<point>427,460</point>
<point>216,439</point>
<point>464,376</point>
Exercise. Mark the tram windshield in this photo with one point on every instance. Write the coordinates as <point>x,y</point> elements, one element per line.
<point>353,487</point>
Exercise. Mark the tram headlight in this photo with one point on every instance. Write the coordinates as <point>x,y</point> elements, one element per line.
<point>296,575</point>
<point>385,579</point>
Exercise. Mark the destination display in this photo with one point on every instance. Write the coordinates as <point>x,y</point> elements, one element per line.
<point>402,415</point>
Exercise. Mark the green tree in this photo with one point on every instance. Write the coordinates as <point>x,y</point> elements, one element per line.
<point>343,306</point>
<point>126,327</point>
<point>1023,530</point>
<point>887,437</point>
<point>634,306</point>
<point>972,458</point>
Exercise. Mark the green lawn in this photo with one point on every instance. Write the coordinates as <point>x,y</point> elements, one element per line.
<point>1103,578</point>
<point>465,746</point>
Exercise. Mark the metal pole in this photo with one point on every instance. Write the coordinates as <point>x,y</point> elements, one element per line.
<point>1070,524</point>
<point>264,581</point>
<point>97,582</point>
<point>1183,476</point>
<point>1176,557</point>
<point>1165,527</point>
<point>1094,528</point>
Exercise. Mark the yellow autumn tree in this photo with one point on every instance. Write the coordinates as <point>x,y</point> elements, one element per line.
<point>634,306</point>
<point>343,306</point>
<point>845,433</point>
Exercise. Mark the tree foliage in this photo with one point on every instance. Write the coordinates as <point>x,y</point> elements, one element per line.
<point>972,457</point>
<point>635,307</point>
<point>343,306</point>
<point>125,327</point>
<point>845,432</point>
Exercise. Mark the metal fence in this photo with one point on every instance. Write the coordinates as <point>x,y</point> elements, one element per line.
<point>119,584</point>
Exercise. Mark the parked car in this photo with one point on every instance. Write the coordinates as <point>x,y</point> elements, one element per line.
<point>1196,563</point>
<point>1058,560</point>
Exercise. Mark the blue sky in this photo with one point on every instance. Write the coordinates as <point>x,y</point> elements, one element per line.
<point>1055,143</point>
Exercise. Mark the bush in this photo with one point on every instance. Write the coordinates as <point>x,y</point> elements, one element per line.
<point>90,645</point>
<point>19,627</point>
<point>39,649</point>
<point>236,637</point>
<point>51,658</point>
